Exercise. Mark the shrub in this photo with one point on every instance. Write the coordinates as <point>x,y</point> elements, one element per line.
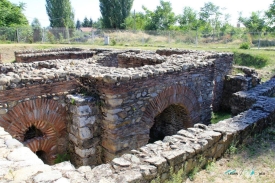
<point>245,46</point>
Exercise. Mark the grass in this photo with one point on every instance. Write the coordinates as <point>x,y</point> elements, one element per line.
<point>252,161</point>
<point>219,116</point>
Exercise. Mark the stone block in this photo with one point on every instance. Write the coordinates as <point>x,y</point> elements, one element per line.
<point>114,102</point>
<point>85,152</point>
<point>81,110</point>
<point>49,176</point>
<point>85,133</point>
<point>82,121</point>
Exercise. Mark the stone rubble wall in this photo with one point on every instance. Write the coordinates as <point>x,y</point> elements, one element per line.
<point>243,100</point>
<point>222,67</point>
<point>126,60</point>
<point>84,130</point>
<point>233,84</point>
<point>130,94</point>
<point>54,55</point>
<point>185,150</point>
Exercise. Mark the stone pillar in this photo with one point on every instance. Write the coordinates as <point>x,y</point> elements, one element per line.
<point>84,131</point>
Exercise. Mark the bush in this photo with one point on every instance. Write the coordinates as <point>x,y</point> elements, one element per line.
<point>113,42</point>
<point>245,46</point>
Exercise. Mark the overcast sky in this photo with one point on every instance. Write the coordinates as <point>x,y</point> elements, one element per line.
<point>90,8</point>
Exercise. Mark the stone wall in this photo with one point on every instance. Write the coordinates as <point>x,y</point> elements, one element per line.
<point>128,60</point>
<point>29,56</point>
<point>243,100</point>
<point>84,130</point>
<point>130,98</point>
<point>184,151</point>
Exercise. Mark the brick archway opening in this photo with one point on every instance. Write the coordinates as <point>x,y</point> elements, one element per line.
<point>169,121</point>
<point>32,132</point>
<point>178,98</point>
<point>43,156</point>
<point>39,124</point>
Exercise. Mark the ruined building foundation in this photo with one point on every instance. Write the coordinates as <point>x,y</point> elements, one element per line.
<point>101,106</point>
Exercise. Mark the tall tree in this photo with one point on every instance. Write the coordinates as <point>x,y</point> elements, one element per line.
<point>91,23</point>
<point>78,24</point>
<point>37,30</point>
<point>255,23</point>
<point>60,13</point>
<point>36,24</point>
<point>210,15</point>
<point>12,14</point>
<point>162,18</point>
<point>114,12</point>
<point>189,19</point>
<point>85,22</point>
<point>270,13</point>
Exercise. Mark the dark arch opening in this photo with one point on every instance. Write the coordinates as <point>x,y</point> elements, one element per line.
<point>169,122</point>
<point>32,132</point>
<point>42,155</point>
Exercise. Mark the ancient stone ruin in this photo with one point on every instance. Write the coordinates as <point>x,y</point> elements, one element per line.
<point>135,115</point>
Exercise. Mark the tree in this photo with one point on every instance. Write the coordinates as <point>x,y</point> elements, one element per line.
<point>270,14</point>
<point>255,23</point>
<point>210,15</point>
<point>78,24</point>
<point>11,15</point>
<point>36,24</point>
<point>162,18</point>
<point>60,13</point>
<point>136,21</point>
<point>90,23</point>
<point>85,22</point>
<point>37,30</point>
<point>114,12</point>
<point>189,19</point>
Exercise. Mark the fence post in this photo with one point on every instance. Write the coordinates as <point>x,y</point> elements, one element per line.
<point>197,37</point>
<point>259,40</point>
<point>17,35</point>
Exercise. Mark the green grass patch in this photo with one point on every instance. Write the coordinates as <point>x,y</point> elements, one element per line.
<point>250,60</point>
<point>219,116</point>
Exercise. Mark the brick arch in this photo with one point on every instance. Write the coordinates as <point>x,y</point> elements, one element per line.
<point>176,94</point>
<point>46,145</point>
<point>46,115</point>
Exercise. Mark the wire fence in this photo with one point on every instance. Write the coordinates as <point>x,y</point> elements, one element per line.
<point>134,38</point>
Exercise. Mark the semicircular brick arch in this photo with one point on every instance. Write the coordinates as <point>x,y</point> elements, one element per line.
<point>46,145</point>
<point>46,115</point>
<point>176,94</point>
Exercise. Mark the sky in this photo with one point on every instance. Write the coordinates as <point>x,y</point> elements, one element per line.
<point>90,8</point>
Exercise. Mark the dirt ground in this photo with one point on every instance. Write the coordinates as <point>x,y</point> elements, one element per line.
<point>7,50</point>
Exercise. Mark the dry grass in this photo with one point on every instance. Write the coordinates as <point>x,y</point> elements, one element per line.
<point>253,161</point>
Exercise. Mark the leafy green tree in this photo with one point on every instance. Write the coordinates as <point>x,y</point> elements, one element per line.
<point>136,21</point>
<point>210,16</point>
<point>98,24</point>
<point>60,13</point>
<point>37,30</point>
<point>114,12</point>
<point>270,14</point>
<point>255,23</point>
<point>189,19</point>
<point>11,15</point>
<point>163,18</point>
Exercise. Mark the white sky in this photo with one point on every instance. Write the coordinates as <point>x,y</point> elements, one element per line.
<point>90,8</point>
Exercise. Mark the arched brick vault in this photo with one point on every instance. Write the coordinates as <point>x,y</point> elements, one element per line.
<point>46,115</point>
<point>176,94</point>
